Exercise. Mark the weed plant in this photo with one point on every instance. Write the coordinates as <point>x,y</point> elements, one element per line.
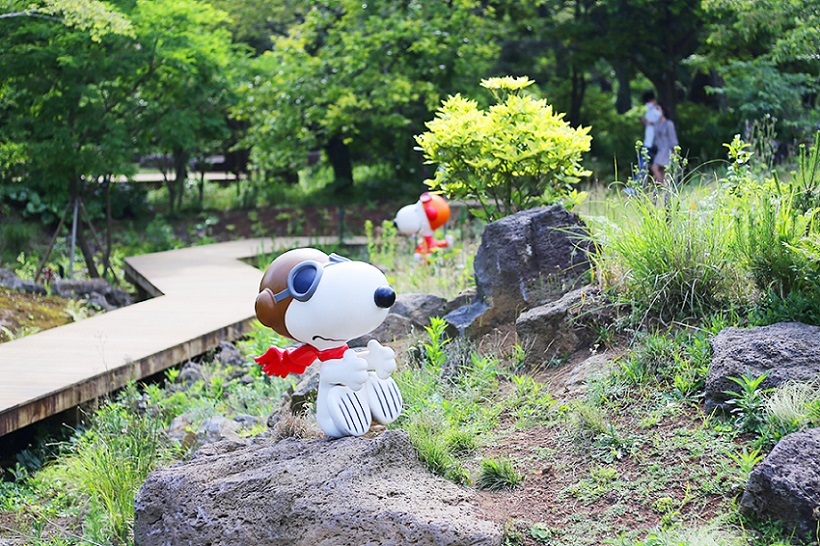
<point>497,474</point>
<point>452,410</point>
<point>747,401</point>
<point>673,362</point>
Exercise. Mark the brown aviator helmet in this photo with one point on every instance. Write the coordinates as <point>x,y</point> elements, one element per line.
<point>275,280</point>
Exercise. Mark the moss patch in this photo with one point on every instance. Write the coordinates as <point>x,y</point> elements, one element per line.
<point>22,313</point>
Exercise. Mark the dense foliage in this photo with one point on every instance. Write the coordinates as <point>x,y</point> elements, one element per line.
<point>747,245</point>
<point>357,81</point>
<point>88,86</point>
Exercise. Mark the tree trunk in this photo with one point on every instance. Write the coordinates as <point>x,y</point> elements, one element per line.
<point>181,174</point>
<point>667,95</point>
<point>579,86</point>
<point>88,253</point>
<point>201,189</point>
<point>623,101</point>
<point>75,190</point>
<point>339,155</point>
<point>171,184</point>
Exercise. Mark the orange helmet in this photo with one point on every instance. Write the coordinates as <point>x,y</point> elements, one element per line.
<point>435,208</point>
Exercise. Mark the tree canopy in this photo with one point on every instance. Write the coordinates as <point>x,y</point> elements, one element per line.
<point>86,85</point>
<point>358,81</point>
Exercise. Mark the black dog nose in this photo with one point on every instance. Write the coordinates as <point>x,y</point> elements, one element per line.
<point>384,297</point>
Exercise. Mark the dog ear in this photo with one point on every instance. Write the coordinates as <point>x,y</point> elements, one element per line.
<point>266,310</point>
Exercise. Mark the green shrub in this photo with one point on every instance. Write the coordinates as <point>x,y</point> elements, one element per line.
<point>516,155</point>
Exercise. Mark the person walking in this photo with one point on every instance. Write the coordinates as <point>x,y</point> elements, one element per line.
<point>666,140</point>
<point>652,115</point>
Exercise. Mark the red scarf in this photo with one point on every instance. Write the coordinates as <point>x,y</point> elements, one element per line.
<point>280,362</point>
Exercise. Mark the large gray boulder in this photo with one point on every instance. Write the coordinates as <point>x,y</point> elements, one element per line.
<point>527,258</point>
<point>786,485</point>
<point>10,280</point>
<point>553,329</point>
<point>320,492</point>
<point>419,308</point>
<point>411,312</point>
<point>531,256</point>
<point>787,351</point>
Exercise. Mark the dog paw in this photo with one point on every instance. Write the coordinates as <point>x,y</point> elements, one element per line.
<point>350,371</point>
<point>384,398</point>
<point>349,411</point>
<point>380,359</point>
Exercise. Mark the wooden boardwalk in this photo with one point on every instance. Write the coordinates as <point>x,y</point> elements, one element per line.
<point>202,295</point>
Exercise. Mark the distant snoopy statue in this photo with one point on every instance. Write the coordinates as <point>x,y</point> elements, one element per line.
<point>323,301</point>
<point>423,218</point>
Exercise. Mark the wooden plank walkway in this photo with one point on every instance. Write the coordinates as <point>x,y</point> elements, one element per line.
<point>203,295</point>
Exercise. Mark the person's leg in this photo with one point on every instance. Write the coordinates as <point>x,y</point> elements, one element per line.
<point>658,171</point>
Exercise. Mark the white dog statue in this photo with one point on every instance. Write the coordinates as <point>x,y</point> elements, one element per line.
<point>325,301</point>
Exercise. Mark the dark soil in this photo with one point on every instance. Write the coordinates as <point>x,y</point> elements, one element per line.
<point>560,495</point>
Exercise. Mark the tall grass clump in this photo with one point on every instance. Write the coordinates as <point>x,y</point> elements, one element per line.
<point>671,259</point>
<point>753,244</point>
<point>791,407</point>
<point>777,239</point>
<point>498,474</point>
<point>102,469</point>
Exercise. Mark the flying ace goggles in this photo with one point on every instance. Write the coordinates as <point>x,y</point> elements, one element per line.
<point>303,280</point>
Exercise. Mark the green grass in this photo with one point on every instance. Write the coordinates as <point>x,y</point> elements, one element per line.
<point>445,273</point>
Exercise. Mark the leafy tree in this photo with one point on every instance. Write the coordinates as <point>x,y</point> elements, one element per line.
<point>93,16</point>
<point>516,155</point>
<point>188,56</point>
<point>77,105</point>
<point>357,80</point>
<point>651,37</point>
<point>65,109</point>
<point>767,54</point>
<point>255,22</point>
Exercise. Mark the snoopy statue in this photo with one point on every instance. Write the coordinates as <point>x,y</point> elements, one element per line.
<point>423,218</point>
<point>323,302</point>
